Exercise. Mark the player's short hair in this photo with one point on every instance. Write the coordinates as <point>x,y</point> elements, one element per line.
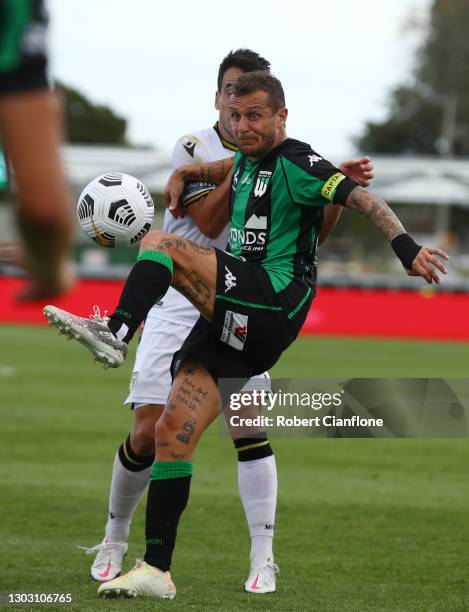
<point>243,59</point>
<point>260,80</point>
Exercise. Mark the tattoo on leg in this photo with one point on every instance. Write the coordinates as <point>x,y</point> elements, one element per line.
<point>195,290</point>
<point>168,243</point>
<point>162,444</point>
<point>188,430</point>
<point>200,248</point>
<point>177,456</point>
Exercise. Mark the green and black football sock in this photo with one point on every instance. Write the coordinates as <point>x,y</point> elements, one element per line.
<point>147,282</point>
<point>168,494</point>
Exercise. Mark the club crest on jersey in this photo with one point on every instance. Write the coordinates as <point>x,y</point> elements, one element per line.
<point>263,179</point>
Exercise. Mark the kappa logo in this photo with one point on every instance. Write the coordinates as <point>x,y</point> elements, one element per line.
<point>262,182</point>
<point>190,147</point>
<point>313,159</point>
<point>230,280</point>
<point>235,178</point>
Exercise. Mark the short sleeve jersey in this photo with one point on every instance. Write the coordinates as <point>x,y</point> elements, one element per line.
<point>277,209</point>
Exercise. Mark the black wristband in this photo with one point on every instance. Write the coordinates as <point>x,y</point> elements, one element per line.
<point>406,249</point>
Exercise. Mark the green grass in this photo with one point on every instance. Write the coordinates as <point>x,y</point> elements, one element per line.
<point>361,524</point>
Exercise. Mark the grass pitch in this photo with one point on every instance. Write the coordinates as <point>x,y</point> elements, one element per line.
<point>361,524</point>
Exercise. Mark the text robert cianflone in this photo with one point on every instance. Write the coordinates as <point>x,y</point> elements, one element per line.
<point>328,420</point>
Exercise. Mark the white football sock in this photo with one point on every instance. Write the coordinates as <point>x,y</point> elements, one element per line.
<point>257,482</point>
<point>126,490</point>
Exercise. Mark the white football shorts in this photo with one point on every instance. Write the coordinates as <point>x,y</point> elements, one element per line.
<point>150,382</point>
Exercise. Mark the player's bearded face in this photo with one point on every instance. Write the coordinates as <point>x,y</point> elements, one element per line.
<point>256,127</point>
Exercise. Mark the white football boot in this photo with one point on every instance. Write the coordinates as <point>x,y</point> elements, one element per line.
<point>108,562</point>
<point>262,579</point>
<point>93,333</point>
<point>143,580</point>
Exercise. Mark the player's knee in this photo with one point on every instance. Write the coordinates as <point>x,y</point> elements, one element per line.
<point>152,240</point>
<point>165,430</point>
<point>157,240</point>
<point>143,429</point>
<point>143,438</point>
<point>171,437</point>
<point>172,245</point>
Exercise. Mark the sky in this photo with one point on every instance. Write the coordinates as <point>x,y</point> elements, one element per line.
<point>156,62</point>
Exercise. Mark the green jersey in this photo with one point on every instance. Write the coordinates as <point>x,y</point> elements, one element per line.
<point>277,209</point>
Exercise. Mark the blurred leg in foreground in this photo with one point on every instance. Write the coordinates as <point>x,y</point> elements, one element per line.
<point>31,135</point>
<point>30,127</point>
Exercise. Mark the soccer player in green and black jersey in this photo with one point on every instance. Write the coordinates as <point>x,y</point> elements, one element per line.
<point>253,300</point>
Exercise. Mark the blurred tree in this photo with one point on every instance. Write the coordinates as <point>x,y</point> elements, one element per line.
<point>86,122</point>
<point>432,114</point>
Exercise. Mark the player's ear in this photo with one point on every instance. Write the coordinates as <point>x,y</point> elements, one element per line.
<point>282,115</point>
<point>217,100</point>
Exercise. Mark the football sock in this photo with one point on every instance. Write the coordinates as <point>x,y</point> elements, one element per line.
<point>257,481</point>
<point>130,477</point>
<point>147,282</point>
<point>168,494</point>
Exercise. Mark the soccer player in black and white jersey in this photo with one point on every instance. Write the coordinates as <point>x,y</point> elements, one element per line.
<point>166,327</point>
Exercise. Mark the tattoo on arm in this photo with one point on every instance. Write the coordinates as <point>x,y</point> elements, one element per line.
<point>211,172</point>
<point>377,211</point>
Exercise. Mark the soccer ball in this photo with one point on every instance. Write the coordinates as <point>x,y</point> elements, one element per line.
<point>115,210</point>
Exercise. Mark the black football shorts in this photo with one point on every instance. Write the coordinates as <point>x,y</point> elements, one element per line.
<point>250,327</point>
<point>23,56</point>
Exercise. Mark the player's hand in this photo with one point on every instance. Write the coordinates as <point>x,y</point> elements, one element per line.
<point>172,194</point>
<point>360,170</point>
<point>425,264</point>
